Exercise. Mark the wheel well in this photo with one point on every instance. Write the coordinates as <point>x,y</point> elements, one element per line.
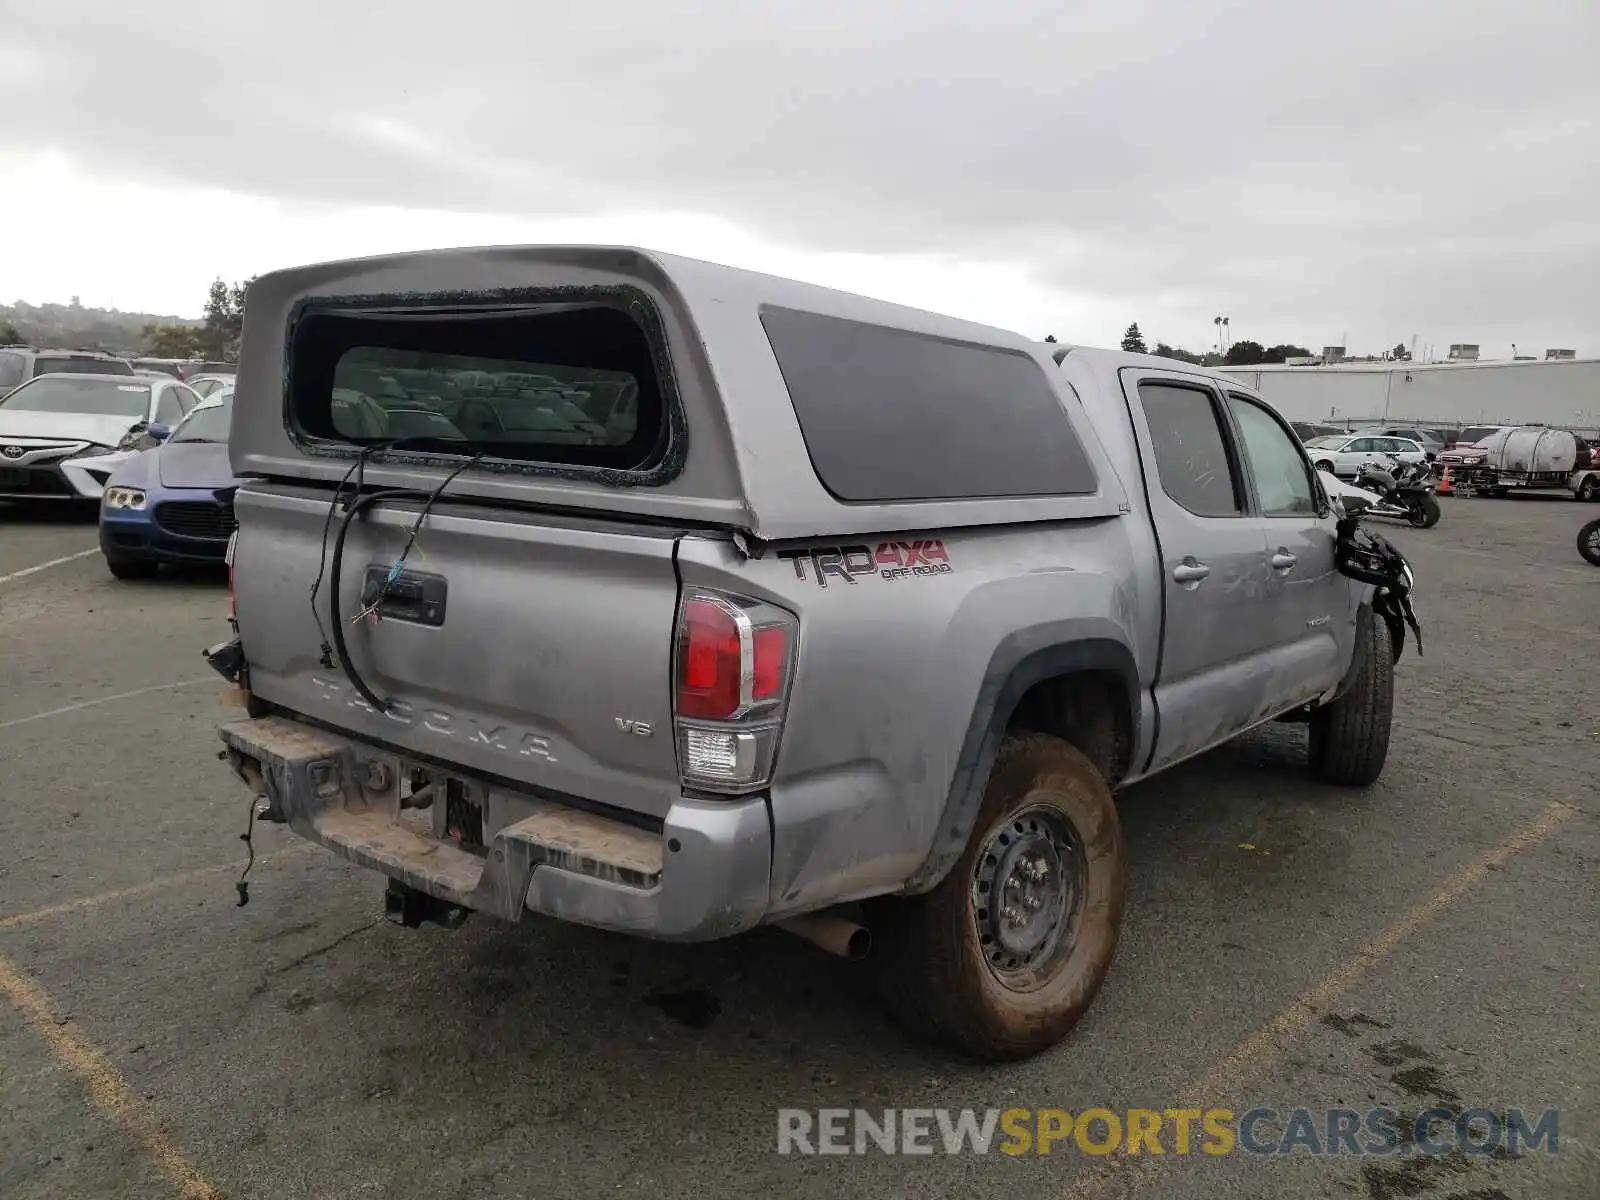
<point>1088,709</point>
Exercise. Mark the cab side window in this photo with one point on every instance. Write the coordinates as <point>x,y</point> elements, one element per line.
<point>1191,454</point>
<point>1276,463</point>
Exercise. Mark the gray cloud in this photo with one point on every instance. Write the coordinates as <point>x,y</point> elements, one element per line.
<point>1380,167</point>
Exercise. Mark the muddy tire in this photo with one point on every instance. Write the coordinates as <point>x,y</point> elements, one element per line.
<point>1349,739</point>
<point>1589,543</point>
<point>1005,955</point>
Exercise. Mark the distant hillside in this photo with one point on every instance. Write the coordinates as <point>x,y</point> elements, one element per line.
<point>72,326</point>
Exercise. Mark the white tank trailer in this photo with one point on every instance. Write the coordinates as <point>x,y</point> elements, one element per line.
<point>1532,450</point>
<point>1525,458</point>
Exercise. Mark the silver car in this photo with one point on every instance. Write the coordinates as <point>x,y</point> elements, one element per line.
<point>61,436</point>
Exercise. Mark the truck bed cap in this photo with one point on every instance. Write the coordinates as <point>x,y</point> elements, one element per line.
<point>743,462</point>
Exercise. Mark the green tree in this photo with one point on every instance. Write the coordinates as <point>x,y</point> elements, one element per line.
<point>1133,340</point>
<point>172,341</point>
<point>1400,353</point>
<point>1163,350</point>
<point>1245,353</point>
<point>224,319</point>
<point>10,335</point>
<point>1284,351</point>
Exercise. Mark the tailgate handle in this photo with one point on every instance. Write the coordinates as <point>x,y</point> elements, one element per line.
<point>413,596</point>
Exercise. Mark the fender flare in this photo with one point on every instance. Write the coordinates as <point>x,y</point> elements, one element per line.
<point>1018,662</point>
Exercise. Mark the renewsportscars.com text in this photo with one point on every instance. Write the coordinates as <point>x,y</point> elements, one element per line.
<point>1179,1131</point>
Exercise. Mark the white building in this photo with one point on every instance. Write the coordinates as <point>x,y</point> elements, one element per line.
<point>1561,391</point>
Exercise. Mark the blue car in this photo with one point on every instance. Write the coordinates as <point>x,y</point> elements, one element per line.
<point>172,503</point>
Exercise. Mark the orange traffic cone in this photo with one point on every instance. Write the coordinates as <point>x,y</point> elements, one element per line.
<point>1444,488</point>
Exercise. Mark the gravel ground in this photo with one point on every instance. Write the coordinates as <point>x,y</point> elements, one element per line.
<point>1432,940</point>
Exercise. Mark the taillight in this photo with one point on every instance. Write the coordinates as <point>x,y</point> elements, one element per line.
<point>734,660</point>
<point>233,539</point>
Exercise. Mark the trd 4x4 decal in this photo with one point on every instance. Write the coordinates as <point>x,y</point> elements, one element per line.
<point>891,560</point>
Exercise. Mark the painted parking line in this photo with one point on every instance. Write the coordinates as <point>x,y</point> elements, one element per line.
<point>45,566</point>
<point>1256,1053</point>
<point>159,883</point>
<point>107,1088</point>
<point>83,704</point>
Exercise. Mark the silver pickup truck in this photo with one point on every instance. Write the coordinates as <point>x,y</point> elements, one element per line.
<point>673,599</point>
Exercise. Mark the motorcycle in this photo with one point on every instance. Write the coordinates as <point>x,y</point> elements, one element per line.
<point>1401,490</point>
<point>1371,558</point>
<point>1589,542</point>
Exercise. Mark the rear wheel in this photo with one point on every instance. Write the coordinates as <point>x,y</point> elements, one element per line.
<point>130,568</point>
<point>1005,955</point>
<point>1325,465</point>
<point>1426,514</point>
<point>1587,490</point>
<point>1349,739</point>
<point>1589,542</point>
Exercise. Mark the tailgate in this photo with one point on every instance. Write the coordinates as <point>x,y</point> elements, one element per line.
<point>535,648</point>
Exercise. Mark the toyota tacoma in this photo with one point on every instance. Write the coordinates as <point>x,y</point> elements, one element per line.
<point>677,600</point>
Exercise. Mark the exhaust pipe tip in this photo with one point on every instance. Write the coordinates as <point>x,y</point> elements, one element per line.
<point>833,934</point>
<point>860,944</point>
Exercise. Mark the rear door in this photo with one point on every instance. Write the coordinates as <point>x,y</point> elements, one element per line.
<point>1216,649</point>
<point>1311,596</point>
<point>1361,450</point>
<point>1405,449</point>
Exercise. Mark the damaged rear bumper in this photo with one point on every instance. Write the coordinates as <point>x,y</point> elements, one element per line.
<point>704,875</point>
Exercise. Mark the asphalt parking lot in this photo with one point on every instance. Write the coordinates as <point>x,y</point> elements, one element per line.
<point>1434,940</point>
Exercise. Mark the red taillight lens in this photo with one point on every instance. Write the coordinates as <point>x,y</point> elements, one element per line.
<point>711,663</point>
<point>735,658</point>
<point>770,647</point>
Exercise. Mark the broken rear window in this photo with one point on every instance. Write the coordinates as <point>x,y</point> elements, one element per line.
<point>564,384</point>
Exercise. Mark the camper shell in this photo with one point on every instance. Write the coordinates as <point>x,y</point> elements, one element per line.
<point>742,444</point>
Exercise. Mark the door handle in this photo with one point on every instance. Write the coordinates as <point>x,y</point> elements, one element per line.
<point>1190,573</point>
<point>1283,560</point>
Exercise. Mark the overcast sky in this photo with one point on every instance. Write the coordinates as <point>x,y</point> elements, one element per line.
<point>1369,171</point>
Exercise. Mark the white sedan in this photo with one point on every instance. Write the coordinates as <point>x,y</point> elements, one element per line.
<point>1342,453</point>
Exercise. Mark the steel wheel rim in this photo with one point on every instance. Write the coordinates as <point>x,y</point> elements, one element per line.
<point>1028,885</point>
<point>1593,540</point>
